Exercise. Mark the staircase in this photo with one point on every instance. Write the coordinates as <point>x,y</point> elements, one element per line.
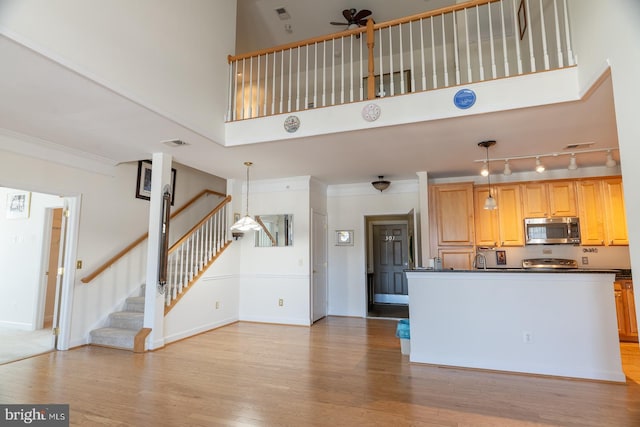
<point>125,328</point>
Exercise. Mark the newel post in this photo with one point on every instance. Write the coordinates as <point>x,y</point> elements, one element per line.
<point>371,81</point>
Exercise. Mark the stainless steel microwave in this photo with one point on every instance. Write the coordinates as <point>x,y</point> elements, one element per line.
<point>552,231</point>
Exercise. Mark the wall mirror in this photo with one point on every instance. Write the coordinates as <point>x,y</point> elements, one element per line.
<point>277,230</point>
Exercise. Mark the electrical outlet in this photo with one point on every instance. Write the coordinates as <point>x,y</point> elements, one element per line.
<point>585,260</point>
<point>280,302</point>
<point>527,337</point>
<point>217,305</point>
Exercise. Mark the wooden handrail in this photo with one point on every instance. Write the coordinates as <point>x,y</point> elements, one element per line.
<point>264,228</point>
<point>199,224</point>
<point>142,238</point>
<point>360,30</point>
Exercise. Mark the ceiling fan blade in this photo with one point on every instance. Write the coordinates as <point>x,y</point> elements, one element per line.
<point>362,14</point>
<point>347,14</point>
<point>363,22</point>
<point>339,23</point>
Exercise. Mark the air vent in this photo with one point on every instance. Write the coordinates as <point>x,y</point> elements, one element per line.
<point>175,143</point>
<point>578,145</point>
<point>282,13</point>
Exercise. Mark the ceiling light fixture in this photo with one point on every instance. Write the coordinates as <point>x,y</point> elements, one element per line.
<point>246,223</point>
<point>572,163</point>
<point>490,202</point>
<point>485,170</point>
<point>381,184</point>
<point>610,163</point>
<point>507,168</point>
<point>539,165</point>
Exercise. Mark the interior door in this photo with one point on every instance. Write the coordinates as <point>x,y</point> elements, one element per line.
<point>59,277</point>
<point>52,267</point>
<point>319,263</point>
<point>390,259</point>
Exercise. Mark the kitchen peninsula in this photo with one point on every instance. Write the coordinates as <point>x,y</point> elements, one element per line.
<point>537,322</point>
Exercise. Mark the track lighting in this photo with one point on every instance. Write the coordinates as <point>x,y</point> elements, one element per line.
<point>572,162</point>
<point>539,165</point>
<point>507,168</point>
<point>610,163</point>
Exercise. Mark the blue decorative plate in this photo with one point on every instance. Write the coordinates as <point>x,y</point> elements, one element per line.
<point>464,98</point>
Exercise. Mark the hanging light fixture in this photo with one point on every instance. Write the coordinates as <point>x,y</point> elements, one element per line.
<point>572,162</point>
<point>381,184</point>
<point>246,223</point>
<point>539,165</point>
<point>490,202</point>
<point>610,163</point>
<point>485,169</point>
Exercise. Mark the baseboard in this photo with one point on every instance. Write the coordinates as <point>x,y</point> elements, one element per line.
<point>276,320</point>
<point>198,330</point>
<point>17,325</point>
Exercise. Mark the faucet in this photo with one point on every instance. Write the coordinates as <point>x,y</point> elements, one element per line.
<point>478,260</point>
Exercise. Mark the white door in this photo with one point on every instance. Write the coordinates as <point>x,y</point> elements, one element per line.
<point>319,264</point>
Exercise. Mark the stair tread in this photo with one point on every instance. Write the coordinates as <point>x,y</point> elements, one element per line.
<point>127,314</point>
<point>110,331</point>
<point>136,300</point>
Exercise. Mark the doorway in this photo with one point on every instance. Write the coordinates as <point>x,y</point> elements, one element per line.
<point>389,254</point>
<point>319,299</point>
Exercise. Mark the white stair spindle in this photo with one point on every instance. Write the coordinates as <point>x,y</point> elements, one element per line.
<point>444,53</point>
<point>333,71</point>
<point>273,85</point>
<point>361,79</point>
<point>342,69</point>
<point>570,58</point>
<point>289,81</point>
<point>504,41</point>
<point>281,81</point>
<point>298,51</point>
<point>422,58</point>
<point>468,46</point>
<point>315,74</point>
<point>516,37</point>
<point>306,77</point>
<point>266,84</point>
<point>543,34</point>
<point>480,59</point>
<point>532,56</point>
<point>558,43</point>
<point>391,85</point>
<point>351,83</point>
<point>242,116</point>
<point>433,56</point>
<point>232,84</point>
<point>401,54</point>
<point>494,71</point>
<point>324,73</point>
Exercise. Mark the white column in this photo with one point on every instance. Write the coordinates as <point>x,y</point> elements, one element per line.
<point>153,300</point>
<point>423,194</point>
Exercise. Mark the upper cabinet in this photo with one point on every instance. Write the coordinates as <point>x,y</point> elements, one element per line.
<point>453,208</point>
<point>547,199</point>
<point>602,212</point>
<point>502,226</point>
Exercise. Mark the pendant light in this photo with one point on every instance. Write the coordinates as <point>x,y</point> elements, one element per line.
<point>381,184</point>
<point>490,202</point>
<point>246,223</point>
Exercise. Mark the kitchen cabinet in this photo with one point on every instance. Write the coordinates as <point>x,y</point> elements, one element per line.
<point>453,208</point>
<point>456,258</point>
<point>602,212</point>
<point>626,310</point>
<point>546,199</point>
<point>503,226</point>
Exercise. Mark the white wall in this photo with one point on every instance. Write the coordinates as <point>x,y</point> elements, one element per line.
<point>167,55</point>
<point>608,33</point>
<point>270,274</point>
<point>348,205</point>
<point>111,217</point>
<point>21,248</point>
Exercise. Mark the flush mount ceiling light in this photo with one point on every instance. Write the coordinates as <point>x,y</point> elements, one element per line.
<point>381,184</point>
<point>572,162</point>
<point>246,223</point>
<point>539,165</point>
<point>490,202</point>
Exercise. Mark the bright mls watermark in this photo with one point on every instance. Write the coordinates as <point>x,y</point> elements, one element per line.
<point>54,415</point>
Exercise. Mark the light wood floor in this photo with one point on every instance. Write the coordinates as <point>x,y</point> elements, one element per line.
<point>340,372</point>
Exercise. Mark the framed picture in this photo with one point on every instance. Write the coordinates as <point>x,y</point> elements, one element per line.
<point>18,205</point>
<point>522,19</point>
<point>501,257</point>
<point>386,84</point>
<point>344,237</point>
<point>143,186</point>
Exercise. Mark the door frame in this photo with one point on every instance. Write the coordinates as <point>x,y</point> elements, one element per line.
<point>314,237</point>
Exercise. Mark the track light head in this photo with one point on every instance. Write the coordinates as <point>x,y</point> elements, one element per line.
<point>610,163</point>
<point>572,163</point>
<point>539,165</point>
<point>507,168</point>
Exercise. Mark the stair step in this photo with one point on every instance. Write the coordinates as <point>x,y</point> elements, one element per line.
<point>127,320</point>
<point>114,337</point>
<point>135,304</point>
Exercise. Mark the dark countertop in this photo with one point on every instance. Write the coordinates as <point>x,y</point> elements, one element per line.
<point>620,274</point>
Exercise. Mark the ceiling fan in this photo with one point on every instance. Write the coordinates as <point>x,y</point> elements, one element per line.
<point>354,19</point>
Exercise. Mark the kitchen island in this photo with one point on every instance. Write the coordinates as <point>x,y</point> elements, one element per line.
<point>538,322</point>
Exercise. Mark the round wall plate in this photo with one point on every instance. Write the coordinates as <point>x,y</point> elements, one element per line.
<point>464,98</point>
<point>291,124</point>
<point>371,112</point>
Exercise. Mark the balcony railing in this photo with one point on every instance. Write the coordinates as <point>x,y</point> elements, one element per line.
<point>466,43</point>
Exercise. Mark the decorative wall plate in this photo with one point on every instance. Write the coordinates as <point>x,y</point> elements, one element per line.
<point>291,124</point>
<point>371,112</point>
<point>464,98</point>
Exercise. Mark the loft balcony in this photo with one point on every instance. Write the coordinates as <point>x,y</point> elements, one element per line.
<point>411,69</point>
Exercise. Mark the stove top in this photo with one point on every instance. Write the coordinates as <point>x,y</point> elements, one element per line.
<point>549,263</point>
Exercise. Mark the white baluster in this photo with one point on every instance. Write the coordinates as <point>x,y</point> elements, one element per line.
<point>324,73</point>
<point>532,56</point>
<point>351,82</point>
<point>504,41</point>
<point>230,106</point>
<point>250,88</point>
<point>361,79</point>
<point>266,84</point>
<point>258,89</point>
<point>570,58</point>
<point>315,74</point>
<point>273,86</point>
<point>243,94</point>
<point>381,88</point>
<point>391,85</point>
<point>333,71</point>
<point>422,58</point>
<point>558,43</point>
<point>290,78</point>
<point>480,60</point>
<point>306,78</point>
<point>543,34</point>
<point>342,70</point>
<point>516,37</point>
<point>444,54</point>
<point>412,82</point>
<point>468,46</point>
<point>433,56</point>
<point>494,71</point>
<point>401,54</point>
<point>281,80</point>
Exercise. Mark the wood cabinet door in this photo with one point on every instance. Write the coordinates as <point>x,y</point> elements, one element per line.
<point>590,212</point>
<point>534,195</point>
<point>454,214</point>
<point>630,305</point>
<point>562,198</point>
<point>456,259</point>
<point>510,223</point>
<point>486,221</point>
<point>616,224</point>
<point>620,310</point>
